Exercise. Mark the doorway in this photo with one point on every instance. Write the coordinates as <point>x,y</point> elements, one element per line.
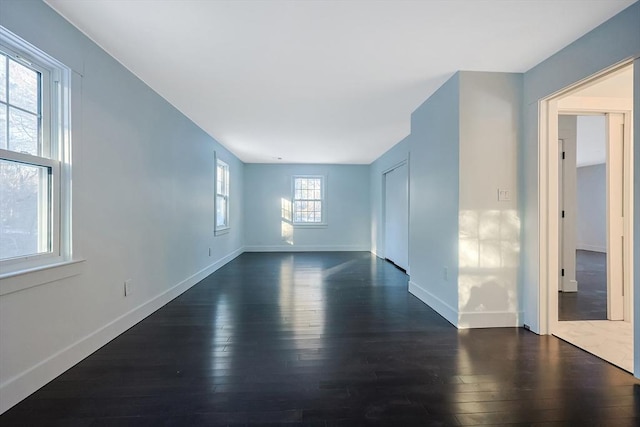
<point>584,194</point>
<point>396,218</point>
<point>585,215</point>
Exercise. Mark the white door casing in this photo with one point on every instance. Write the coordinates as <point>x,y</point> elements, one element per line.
<point>615,216</point>
<point>396,221</point>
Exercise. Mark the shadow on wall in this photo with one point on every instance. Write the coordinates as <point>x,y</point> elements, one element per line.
<point>489,251</point>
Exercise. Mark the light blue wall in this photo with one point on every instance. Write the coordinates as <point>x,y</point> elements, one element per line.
<point>397,154</point>
<point>348,208</point>
<point>614,41</point>
<point>434,194</point>
<point>143,194</point>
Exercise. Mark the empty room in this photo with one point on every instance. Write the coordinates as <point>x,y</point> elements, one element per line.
<point>319,213</point>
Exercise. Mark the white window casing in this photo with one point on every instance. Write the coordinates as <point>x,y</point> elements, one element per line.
<point>309,206</point>
<point>52,159</point>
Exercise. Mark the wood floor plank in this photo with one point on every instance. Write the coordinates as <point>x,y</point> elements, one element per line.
<point>326,339</point>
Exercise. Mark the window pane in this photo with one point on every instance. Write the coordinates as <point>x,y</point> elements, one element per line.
<point>219,180</point>
<point>307,195</point>
<point>3,127</point>
<point>3,78</point>
<point>23,132</point>
<point>23,87</point>
<point>221,211</point>
<point>24,210</point>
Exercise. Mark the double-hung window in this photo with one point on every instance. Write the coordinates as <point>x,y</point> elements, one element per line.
<point>308,200</point>
<point>222,196</point>
<point>33,144</point>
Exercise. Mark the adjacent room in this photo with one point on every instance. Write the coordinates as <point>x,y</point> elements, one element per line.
<point>319,213</point>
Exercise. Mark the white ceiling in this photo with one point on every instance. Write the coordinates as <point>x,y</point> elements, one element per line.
<point>321,81</point>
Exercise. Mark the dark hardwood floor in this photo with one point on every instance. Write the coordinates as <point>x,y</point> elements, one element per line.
<point>326,339</point>
<point>590,302</point>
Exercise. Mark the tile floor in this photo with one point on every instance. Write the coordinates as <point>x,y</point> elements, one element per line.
<point>609,340</point>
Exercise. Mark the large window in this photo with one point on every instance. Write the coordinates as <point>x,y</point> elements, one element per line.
<point>308,200</point>
<point>32,145</point>
<point>222,196</point>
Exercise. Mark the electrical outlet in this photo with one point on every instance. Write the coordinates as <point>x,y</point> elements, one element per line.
<point>128,287</point>
<point>209,251</point>
<point>445,273</point>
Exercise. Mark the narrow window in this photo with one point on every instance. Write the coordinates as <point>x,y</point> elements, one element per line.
<point>308,200</point>
<point>222,196</point>
<point>32,145</point>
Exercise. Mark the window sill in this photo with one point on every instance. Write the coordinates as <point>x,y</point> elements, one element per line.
<point>221,231</point>
<point>320,225</point>
<point>16,281</point>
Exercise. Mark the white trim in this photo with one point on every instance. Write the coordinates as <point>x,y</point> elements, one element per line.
<point>396,166</point>
<point>308,248</point>
<point>592,248</point>
<point>581,105</point>
<point>323,201</point>
<point>54,152</point>
<point>383,209</point>
<point>19,280</point>
<point>489,319</point>
<point>548,203</point>
<point>22,385</point>
<point>442,308</point>
<point>223,229</point>
<point>569,285</point>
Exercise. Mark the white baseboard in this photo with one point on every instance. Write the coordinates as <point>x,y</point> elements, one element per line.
<point>569,285</point>
<point>307,248</point>
<point>22,385</point>
<point>592,248</point>
<point>492,319</point>
<point>441,307</point>
<point>463,320</point>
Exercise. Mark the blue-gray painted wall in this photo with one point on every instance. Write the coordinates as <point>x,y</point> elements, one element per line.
<point>348,213</point>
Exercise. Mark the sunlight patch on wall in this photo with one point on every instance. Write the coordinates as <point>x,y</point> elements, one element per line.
<point>286,227</point>
<point>488,256</point>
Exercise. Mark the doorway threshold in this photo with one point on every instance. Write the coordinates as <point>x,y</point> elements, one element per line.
<point>609,340</point>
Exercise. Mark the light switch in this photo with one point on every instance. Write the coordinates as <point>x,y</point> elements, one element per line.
<point>504,195</point>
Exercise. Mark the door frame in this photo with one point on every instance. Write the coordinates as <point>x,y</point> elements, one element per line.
<point>383,229</point>
<point>549,181</point>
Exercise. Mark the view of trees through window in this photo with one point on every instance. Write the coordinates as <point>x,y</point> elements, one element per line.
<point>222,195</point>
<point>24,187</point>
<point>307,200</point>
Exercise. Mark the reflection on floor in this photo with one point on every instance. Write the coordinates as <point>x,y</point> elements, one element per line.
<point>590,302</point>
<point>609,340</point>
<point>326,339</point>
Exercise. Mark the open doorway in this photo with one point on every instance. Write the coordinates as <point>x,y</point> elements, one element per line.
<point>583,228</point>
<point>586,240</point>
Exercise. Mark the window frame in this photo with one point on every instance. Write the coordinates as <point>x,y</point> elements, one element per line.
<point>222,229</point>
<point>323,202</point>
<point>53,153</point>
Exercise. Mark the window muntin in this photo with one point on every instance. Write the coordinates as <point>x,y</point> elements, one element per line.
<point>33,139</point>
<point>308,200</point>
<point>222,195</point>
